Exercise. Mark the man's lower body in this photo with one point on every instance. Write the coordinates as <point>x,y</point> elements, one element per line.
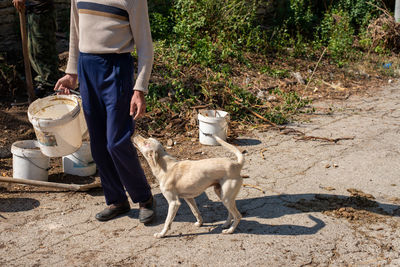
<point>42,50</point>
<point>106,87</point>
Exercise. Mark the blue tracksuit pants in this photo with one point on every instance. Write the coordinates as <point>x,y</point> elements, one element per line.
<point>106,86</point>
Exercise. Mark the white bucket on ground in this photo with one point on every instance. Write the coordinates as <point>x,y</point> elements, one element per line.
<point>56,122</point>
<point>80,162</point>
<point>212,122</point>
<point>28,161</point>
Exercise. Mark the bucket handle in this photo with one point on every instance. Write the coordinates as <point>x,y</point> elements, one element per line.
<point>76,93</point>
<point>71,90</point>
<point>28,159</point>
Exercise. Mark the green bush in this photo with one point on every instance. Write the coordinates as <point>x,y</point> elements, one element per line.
<point>205,38</point>
<point>210,31</point>
<point>161,19</point>
<point>336,33</point>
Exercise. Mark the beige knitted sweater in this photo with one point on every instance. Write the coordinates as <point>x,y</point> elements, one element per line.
<point>112,26</point>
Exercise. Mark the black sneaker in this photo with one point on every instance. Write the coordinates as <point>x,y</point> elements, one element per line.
<point>147,211</point>
<point>112,211</point>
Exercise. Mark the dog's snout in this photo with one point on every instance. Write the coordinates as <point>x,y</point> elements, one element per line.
<point>137,139</point>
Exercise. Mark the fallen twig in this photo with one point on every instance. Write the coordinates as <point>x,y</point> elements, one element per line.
<point>334,86</point>
<point>255,113</point>
<point>302,136</point>
<point>315,69</point>
<point>315,138</point>
<point>255,187</point>
<point>72,187</point>
<point>262,153</point>
<point>201,106</point>
<point>238,102</point>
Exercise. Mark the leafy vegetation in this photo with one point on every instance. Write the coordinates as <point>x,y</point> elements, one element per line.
<point>211,53</point>
<point>201,43</point>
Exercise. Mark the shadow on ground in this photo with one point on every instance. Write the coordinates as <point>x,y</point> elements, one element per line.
<point>18,204</point>
<point>257,211</point>
<point>246,142</point>
<point>354,209</point>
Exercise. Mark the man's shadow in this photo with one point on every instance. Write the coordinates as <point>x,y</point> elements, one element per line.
<point>270,207</point>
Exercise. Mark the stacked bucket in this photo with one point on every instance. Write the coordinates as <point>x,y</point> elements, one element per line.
<point>60,129</point>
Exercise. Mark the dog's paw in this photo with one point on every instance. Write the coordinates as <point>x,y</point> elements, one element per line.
<point>198,224</point>
<point>228,231</point>
<point>159,235</point>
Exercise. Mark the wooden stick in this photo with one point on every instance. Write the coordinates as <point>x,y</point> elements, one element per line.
<point>334,86</point>
<point>28,74</point>
<point>237,101</point>
<point>255,187</point>
<point>72,187</point>
<point>201,106</point>
<point>255,113</point>
<point>262,152</point>
<point>315,69</point>
<point>315,138</point>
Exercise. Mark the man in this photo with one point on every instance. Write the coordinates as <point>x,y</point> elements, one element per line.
<point>103,34</point>
<point>41,42</point>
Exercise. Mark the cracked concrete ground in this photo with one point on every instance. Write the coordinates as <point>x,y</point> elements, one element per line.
<point>325,204</point>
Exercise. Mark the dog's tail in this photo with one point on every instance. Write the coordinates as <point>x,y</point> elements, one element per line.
<point>232,148</point>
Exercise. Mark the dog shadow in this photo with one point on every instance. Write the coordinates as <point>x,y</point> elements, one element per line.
<point>271,207</point>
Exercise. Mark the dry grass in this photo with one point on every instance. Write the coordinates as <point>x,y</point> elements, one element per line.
<point>385,31</point>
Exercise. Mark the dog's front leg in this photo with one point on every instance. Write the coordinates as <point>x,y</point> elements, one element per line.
<point>173,206</point>
<point>193,206</point>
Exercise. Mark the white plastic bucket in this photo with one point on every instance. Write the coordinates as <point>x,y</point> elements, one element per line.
<point>56,122</point>
<point>80,162</point>
<point>28,161</point>
<point>212,122</point>
<point>82,122</point>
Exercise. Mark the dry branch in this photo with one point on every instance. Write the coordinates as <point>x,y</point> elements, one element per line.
<point>315,69</point>
<point>71,187</point>
<point>317,138</point>
<point>262,153</point>
<point>255,187</point>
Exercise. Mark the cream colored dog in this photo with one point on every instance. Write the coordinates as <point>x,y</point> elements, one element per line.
<point>189,178</point>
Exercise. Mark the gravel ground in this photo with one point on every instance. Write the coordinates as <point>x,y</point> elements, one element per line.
<point>331,198</point>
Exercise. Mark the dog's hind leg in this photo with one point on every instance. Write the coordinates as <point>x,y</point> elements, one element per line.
<point>173,206</point>
<point>230,189</point>
<point>217,190</point>
<point>233,212</point>
<point>193,206</point>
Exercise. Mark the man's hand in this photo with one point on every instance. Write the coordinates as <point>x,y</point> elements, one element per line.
<point>138,105</point>
<point>19,5</point>
<point>69,81</point>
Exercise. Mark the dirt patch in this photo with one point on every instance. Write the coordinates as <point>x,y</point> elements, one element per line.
<point>358,208</point>
<point>14,126</point>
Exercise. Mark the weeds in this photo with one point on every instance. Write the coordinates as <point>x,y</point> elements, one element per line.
<point>203,46</point>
